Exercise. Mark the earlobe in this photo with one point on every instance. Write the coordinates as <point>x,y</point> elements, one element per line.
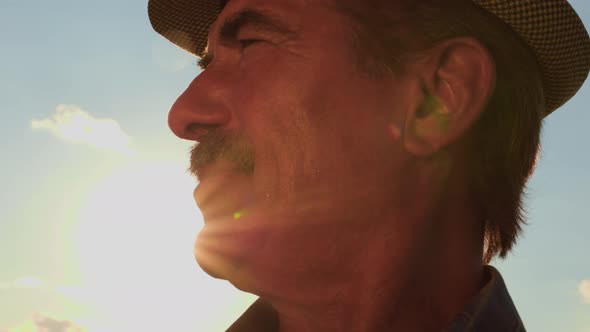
<point>457,81</point>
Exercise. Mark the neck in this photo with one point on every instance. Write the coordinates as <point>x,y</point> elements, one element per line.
<point>397,280</point>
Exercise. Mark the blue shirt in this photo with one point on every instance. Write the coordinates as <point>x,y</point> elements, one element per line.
<point>492,310</point>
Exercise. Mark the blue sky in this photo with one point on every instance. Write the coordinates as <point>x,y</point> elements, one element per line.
<point>86,229</point>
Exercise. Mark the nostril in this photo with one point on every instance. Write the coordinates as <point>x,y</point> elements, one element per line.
<point>196,131</point>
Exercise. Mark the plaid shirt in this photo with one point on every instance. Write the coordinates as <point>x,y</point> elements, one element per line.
<point>491,311</point>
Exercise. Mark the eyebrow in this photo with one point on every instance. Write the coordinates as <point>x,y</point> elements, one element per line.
<point>259,20</point>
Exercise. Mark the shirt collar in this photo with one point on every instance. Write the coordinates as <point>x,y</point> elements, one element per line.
<point>491,310</point>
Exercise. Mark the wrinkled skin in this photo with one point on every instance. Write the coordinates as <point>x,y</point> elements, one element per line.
<point>318,126</point>
<point>331,203</point>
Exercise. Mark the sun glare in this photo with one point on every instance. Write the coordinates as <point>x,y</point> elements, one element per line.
<point>134,244</point>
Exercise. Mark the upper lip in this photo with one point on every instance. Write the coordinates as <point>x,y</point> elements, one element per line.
<point>204,191</point>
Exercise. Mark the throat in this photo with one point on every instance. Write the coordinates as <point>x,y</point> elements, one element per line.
<point>416,307</point>
<point>381,298</point>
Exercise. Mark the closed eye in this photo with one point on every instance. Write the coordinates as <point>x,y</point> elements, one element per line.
<point>245,43</point>
<point>204,62</point>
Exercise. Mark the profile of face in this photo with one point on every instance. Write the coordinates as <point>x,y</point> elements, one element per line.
<point>295,153</point>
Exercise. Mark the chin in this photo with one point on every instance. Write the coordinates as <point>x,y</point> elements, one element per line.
<point>207,260</point>
<point>216,257</point>
<point>234,249</point>
<point>210,269</point>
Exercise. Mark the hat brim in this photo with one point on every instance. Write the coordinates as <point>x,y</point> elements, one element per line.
<point>185,23</point>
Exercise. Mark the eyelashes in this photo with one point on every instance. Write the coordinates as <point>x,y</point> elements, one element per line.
<point>245,43</point>
<point>204,62</point>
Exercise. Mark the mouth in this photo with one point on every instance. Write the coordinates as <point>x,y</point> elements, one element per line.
<point>222,193</point>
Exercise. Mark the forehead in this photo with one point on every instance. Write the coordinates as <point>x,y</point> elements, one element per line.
<point>276,6</point>
<point>292,12</point>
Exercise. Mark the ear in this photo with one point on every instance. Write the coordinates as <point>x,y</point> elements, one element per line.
<point>458,78</point>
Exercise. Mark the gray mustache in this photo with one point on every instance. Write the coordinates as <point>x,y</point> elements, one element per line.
<point>217,145</point>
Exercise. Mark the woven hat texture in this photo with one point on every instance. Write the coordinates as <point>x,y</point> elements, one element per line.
<point>551,28</point>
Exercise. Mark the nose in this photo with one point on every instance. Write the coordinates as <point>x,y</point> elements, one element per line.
<point>201,108</point>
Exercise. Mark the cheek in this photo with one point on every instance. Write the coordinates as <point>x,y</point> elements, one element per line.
<point>305,118</point>
<point>272,114</point>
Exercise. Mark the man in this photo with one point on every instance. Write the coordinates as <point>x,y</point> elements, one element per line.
<point>360,161</point>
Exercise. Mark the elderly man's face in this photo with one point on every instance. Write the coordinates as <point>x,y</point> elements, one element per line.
<point>296,155</point>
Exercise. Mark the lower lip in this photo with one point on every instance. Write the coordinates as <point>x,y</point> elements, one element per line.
<point>220,195</point>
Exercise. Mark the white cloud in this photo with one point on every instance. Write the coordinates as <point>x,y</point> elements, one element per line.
<point>22,283</point>
<point>27,282</point>
<point>77,293</point>
<point>72,124</point>
<point>49,324</point>
<point>584,289</point>
<point>44,323</point>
